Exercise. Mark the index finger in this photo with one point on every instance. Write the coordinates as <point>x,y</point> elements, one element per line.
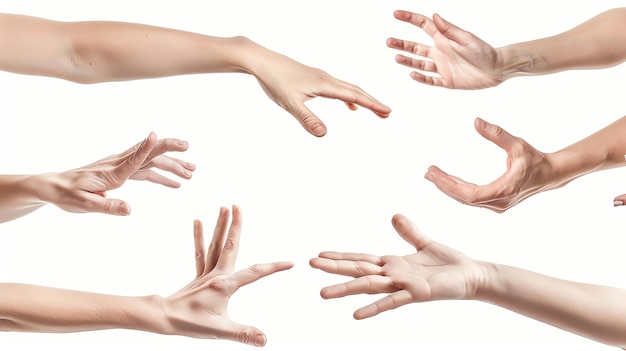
<point>134,161</point>
<point>226,261</point>
<point>417,20</point>
<point>351,94</point>
<point>462,191</point>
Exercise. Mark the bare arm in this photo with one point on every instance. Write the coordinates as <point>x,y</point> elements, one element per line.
<point>84,189</point>
<point>198,310</point>
<point>593,311</point>
<point>530,171</point>
<point>438,272</point>
<point>458,59</point>
<point>100,51</point>
<point>599,42</point>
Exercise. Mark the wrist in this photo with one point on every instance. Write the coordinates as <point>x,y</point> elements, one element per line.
<point>246,55</point>
<point>484,284</point>
<point>515,61</point>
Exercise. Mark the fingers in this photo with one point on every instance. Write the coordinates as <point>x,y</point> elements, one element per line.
<point>370,284</point>
<point>409,232</point>
<point>198,240</point>
<point>389,302</point>
<point>495,134</point>
<point>258,271</point>
<point>168,145</point>
<point>351,94</point>
<point>154,177</point>
<point>178,167</point>
<point>217,242</point>
<point>352,268</point>
<point>134,161</point>
<point>228,256</point>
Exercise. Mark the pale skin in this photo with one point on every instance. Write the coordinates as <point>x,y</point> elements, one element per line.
<point>100,51</point>
<point>437,272</point>
<point>84,189</point>
<point>458,59</point>
<point>198,310</point>
<point>530,171</point>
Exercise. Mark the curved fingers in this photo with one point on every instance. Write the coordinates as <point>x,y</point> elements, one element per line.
<point>409,46</point>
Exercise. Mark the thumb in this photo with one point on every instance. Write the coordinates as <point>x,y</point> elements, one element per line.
<point>495,134</point>
<point>247,335</point>
<point>620,200</point>
<point>409,232</point>
<point>452,32</point>
<point>310,122</point>
<point>110,206</point>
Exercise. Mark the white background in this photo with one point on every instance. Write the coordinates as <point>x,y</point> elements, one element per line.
<point>301,195</point>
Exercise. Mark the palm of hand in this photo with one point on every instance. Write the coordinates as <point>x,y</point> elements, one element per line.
<point>435,273</point>
<point>465,66</point>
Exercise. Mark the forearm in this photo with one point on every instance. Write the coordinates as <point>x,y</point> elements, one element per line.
<point>29,308</point>
<point>90,52</point>
<point>592,311</point>
<point>597,43</point>
<point>19,196</point>
<point>602,150</point>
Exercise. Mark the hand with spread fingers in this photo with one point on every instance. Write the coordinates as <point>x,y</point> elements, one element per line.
<point>438,272</point>
<point>458,59</point>
<point>85,189</point>
<point>434,272</point>
<point>530,171</point>
<point>199,309</point>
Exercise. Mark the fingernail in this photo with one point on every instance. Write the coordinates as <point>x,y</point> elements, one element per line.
<point>259,340</point>
<point>618,203</point>
<point>188,174</point>
<point>123,210</point>
<point>428,176</point>
<point>481,124</point>
<point>318,129</point>
<point>182,143</point>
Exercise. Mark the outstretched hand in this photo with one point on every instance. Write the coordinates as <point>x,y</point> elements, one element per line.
<point>85,189</point>
<point>199,309</point>
<point>456,60</point>
<point>529,171</point>
<point>434,272</point>
<point>289,84</point>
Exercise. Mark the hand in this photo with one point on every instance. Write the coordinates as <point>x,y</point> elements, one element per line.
<point>84,189</point>
<point>529,171</point>
<point>289,84</point>
<point>435,272</point>
<point>458,59</point>
<point>199,309</point>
